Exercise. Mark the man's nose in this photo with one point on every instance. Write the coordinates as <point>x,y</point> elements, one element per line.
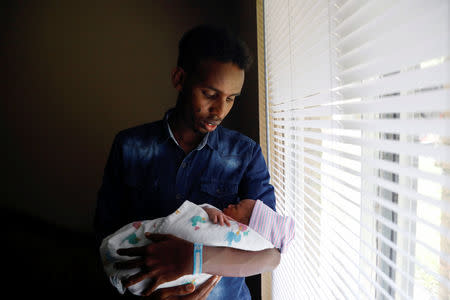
<point>219,108</point>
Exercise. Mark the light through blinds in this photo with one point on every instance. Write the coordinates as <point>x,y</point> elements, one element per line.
<point>358,111</point>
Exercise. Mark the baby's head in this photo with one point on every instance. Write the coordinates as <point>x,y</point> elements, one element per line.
<point>277,229</point>
<point>242,211</point>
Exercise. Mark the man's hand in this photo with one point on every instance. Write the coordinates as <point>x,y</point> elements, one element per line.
<point>167,259</point>
<point>186,292</point>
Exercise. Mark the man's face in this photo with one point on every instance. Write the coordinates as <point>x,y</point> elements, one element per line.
<point>209,94</point>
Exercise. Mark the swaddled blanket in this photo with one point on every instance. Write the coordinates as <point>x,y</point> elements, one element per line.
<point>189,222</point>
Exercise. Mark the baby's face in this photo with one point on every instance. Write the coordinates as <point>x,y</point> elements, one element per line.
<point>242,211</point>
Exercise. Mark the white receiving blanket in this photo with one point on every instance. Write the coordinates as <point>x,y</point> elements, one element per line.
<point>189,222</point>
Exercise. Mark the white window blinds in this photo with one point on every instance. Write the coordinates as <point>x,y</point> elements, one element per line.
<point>358,126</point>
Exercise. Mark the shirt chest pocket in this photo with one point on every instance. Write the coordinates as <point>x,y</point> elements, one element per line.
<point>138,190</point>
<point>218,193</point>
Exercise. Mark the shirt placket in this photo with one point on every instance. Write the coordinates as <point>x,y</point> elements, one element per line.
<point>183,172</point>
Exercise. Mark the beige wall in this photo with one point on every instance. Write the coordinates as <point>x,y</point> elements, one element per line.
<point>76,72</point>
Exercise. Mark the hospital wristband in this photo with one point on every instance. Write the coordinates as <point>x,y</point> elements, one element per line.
<point>198,258</point>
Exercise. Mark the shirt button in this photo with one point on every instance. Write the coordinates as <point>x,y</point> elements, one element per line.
<point>179,196</point>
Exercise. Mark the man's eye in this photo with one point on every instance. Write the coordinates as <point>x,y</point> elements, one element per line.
<point>230,99</point>
<point>208,95</point>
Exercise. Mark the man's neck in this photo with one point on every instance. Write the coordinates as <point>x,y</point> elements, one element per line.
<point>187,138</point>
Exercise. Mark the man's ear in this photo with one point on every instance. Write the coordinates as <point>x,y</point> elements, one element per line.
<point>178,77</point>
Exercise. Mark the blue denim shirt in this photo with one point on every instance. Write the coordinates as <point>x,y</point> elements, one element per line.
<point>148,176</point>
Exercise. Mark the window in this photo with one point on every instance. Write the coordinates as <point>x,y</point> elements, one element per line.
<point>355,125</point>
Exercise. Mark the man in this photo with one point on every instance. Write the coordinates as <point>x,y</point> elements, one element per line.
<point>153,168</point>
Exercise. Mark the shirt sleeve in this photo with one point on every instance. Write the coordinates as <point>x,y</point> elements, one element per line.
<point>255,183</point>
<point>108,212</point>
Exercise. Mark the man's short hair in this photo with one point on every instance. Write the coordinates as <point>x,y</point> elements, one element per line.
<point>212,42</point>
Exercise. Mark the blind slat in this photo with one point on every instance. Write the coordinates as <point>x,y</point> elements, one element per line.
<point>418,127</point>
<point>434,101</point>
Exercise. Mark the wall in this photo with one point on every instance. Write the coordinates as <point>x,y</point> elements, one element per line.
<point>73,74</point>
<point>79,72</point>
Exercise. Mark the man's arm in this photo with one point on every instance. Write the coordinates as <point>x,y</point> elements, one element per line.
<point>255,182</point>
<point>109,209</point>
<point>233,262</point>
<point>170,257</point>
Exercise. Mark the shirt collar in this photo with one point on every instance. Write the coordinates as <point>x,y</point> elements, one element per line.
<point>214,138</point>
<point>209,139</point>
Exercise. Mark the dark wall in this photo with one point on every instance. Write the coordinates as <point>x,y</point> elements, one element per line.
<point>73,74</point>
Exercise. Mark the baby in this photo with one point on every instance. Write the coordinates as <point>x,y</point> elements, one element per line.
<point>250,225</point>
<point>277,229</point>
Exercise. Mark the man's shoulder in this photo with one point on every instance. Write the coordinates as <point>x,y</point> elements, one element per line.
<point>232,140</point>
<point>234,136</point>
<point>146,131</point>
